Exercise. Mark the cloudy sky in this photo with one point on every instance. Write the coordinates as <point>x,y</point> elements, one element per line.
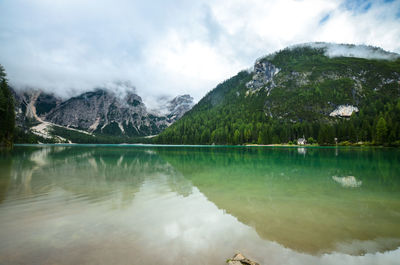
<point>166,48</point>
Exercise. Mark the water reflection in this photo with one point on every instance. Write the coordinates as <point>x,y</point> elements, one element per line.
<point>348,181</point>
<point>295,201</point>
<point>5,166</point>
<point>302,151</point>
<point>113,205</point>
<point>91,172</point>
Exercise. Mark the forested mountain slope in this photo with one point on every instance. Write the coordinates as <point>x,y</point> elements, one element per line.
<point>304,90</point>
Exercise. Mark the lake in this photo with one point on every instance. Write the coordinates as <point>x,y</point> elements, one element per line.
<point>132,204</point>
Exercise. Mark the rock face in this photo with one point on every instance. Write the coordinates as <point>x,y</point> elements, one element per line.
<point>45,103</point>
<point>99,111</point>
<point>343,111</point>
<point>263,75</point>
<point>33,105</point>
<point>102,111</point>
<point>179,106</point>
<point>239,259</point>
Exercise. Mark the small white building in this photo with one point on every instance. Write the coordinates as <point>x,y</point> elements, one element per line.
<point>301,141</point>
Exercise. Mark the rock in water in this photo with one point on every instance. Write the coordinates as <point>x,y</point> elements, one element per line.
<point>234,262</point>
<point>348,181</point>
<point>239,259</point>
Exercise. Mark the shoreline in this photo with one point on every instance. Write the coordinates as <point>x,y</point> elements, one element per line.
<point>206,146</point>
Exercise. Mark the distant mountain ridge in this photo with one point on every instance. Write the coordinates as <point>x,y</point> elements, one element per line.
<point>100,111</point>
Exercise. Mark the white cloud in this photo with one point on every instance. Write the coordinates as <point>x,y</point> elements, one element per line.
<point>167,48</point>
<point>187,66</point>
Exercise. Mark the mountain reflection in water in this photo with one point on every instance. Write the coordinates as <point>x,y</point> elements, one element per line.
<point>177,205</point>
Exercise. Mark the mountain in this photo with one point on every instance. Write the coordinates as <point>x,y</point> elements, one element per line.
<point>320,91</point>
<point>179,106</point>
<point>100,113</point>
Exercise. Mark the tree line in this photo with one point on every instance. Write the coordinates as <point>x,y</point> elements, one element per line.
<point>7,113</point>
<point>223,129</point>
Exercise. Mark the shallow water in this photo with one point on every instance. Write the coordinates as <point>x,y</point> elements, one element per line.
<point>199,205</point>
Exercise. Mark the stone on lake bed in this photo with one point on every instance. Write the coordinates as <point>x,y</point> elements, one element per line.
<point>239,259</point>
<point>234,262</point>
<point>238,256</point>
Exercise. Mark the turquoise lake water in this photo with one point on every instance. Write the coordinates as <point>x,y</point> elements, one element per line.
<point>130,204</point>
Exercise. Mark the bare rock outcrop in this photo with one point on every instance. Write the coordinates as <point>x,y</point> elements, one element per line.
<point>262,77</point>
<point>239,259</point>
<point>343,111</point>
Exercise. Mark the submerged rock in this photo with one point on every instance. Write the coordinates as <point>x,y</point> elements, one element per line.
<point>239,259</point>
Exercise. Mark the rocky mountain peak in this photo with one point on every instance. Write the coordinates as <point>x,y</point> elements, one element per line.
<point>134,100</point>
<point>180,105</point>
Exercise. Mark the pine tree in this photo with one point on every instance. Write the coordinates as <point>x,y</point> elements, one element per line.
<point>7,114</point>
<point>260,138</point>
<point>381,131</point>
<point>236,137</point>
<point>322,135</point>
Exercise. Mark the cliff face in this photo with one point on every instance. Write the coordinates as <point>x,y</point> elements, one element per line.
<point>101,111</point>
<point>264,73</point>
<point>31,106</point>
<point>179,106</point>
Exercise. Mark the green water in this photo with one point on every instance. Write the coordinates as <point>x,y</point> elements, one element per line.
<point>199,205</point>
